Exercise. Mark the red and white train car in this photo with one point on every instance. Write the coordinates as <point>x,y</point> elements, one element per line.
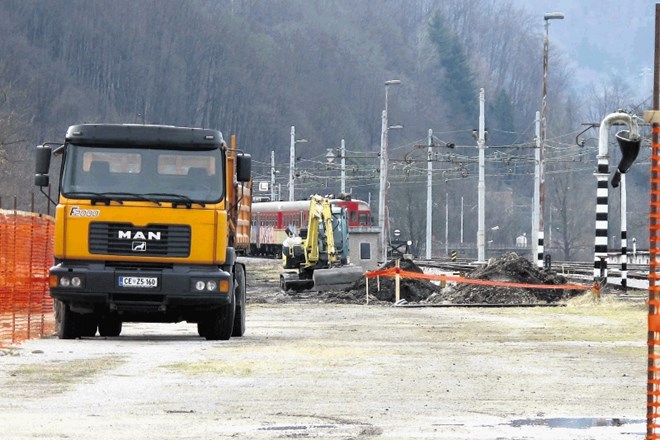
<point>271,219</point>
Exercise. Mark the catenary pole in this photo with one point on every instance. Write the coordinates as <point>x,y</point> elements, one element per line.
<point>272,176</point>
<point>481,187</point>
<point>292,164</point>
<point>343,166</point>
<point>429,195</point>
<point>536,210</point>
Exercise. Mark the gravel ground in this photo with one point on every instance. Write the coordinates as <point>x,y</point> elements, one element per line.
<point>308,369</point>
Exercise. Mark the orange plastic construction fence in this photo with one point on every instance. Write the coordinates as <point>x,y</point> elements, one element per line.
<point>653,338</point>
<point>26,253</point>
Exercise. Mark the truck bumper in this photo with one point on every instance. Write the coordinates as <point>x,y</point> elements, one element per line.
<point>173,291</point>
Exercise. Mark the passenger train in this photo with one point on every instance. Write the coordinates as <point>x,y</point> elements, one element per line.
<point>271,219</point>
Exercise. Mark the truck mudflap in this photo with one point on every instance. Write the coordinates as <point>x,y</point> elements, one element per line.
<point>336,278</point>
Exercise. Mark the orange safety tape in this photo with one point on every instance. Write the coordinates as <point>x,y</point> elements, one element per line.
<point>654,322</point>
<point>380,273</point>
<point>422,276</point>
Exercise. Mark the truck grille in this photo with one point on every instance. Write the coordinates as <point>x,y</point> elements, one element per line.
<point>150,240</point>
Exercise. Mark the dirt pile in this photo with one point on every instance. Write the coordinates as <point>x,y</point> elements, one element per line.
<point>411,290</point>
<point>507,268</point>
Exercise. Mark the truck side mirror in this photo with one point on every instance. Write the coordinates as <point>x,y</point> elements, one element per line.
<point>243,167</point>
<point>42,165</point>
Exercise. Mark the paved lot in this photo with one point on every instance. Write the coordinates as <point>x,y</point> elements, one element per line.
<point>343,371</point>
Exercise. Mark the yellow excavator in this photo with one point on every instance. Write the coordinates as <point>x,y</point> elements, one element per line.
<point>317,258</point>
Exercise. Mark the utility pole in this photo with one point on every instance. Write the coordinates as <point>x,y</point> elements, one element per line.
<point>537,253</point>
<point>292,163</point>
<point>382,199</point>
<point>481,187</point>
<point>272,176</point>
<point>461,219</point>
<point>446,224</point>
<point>382,196</point>
<point>342,151</point>
<point>544,127</point>
<point>429,193</point>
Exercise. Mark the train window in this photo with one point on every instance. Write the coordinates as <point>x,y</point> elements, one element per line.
<point>365,251</point>
<point>351,217</point>
<point>364,219</point>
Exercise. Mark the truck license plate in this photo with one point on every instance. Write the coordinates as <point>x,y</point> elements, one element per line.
<point>147,282</point>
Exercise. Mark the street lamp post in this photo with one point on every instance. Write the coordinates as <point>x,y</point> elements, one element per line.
<point>382,199</point>
<point>292,162</point>
<point>544,110</point>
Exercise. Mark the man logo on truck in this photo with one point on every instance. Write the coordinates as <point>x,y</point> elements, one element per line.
<point>139,246</point>
<point>138,235</point>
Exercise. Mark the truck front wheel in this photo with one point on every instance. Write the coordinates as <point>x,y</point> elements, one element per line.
<point>219,325</point>
<point>68,323</point>
<point>239,289</point>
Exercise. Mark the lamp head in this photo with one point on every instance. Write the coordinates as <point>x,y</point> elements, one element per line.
<point>629,145</point>
<point>553,16</point>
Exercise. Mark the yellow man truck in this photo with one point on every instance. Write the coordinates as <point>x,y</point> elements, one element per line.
<point>149,222</point>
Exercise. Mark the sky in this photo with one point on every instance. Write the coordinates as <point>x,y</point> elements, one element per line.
<point>603,39</point>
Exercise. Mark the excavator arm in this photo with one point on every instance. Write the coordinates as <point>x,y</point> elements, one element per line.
<point>320,242</point>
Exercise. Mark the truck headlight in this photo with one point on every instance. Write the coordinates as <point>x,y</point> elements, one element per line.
<point>70,281</point>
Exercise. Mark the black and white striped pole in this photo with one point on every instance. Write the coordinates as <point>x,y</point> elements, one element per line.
<point>628,141</point>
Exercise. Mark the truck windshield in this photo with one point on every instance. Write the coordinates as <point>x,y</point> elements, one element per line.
<point>143,174</point>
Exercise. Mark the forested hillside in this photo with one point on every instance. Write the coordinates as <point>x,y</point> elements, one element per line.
<point>254,68</point>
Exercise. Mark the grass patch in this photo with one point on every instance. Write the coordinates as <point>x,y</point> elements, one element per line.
<point>44,379</point>
<point>218,368</point>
